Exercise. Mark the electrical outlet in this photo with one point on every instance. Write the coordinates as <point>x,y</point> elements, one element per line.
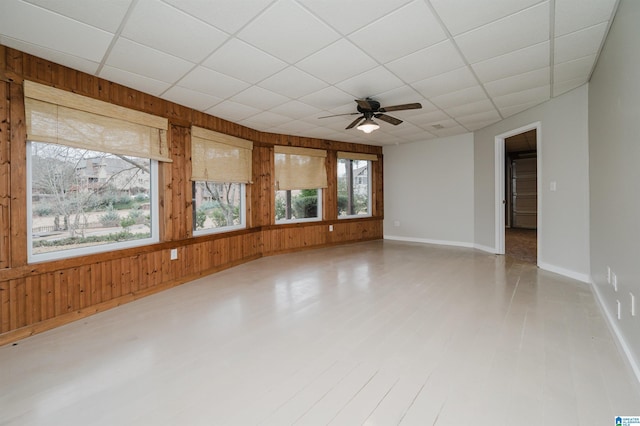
<point>609,274</point>
<point>174,254</point>
<point>396,223</point>
<point>619,309</point>
<point>633,304</point>
<point>614,281</point>
<point>330,228</point>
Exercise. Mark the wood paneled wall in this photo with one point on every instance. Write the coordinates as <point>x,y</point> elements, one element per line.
<point>38,297</point>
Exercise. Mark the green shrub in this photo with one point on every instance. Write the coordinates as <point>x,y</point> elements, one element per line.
<point>111,218</point>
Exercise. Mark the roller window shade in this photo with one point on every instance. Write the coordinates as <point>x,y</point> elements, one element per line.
<point>357,156</point>
<point>216,157</point>
<point>61,117</point>
<point>300,168</point>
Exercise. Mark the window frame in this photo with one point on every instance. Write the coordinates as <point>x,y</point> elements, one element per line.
<point>154,213</point>
<point>318,218</point>
<point>243,212</point>
<point>350,184</point>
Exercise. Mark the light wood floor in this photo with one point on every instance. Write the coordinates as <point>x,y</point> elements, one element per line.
<point>378,333</point>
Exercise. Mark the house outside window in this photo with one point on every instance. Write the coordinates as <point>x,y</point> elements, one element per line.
<point>354,184</point>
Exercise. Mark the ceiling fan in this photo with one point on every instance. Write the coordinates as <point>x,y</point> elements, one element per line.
<point>370,109</point>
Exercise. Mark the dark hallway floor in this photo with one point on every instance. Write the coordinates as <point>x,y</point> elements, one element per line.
<point>521,244</point>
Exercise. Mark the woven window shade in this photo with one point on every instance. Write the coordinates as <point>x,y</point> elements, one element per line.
<point>300,168</point>
<point>216,157</point>
<point>65,118</point>
<point>357,156</point>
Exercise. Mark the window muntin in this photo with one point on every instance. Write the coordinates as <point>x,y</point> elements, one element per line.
<point>354,188</point>
<point>82,201</point>
<point>298,205</point>
<point>218,207</point>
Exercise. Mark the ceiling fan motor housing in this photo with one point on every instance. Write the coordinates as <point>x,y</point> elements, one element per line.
<point>373,106</point>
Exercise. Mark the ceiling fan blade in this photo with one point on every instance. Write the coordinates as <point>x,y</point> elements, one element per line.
<point>340,115</point>
<point>354,123</point>
<point>364,104</point>
<point>388,119</point>
<point>401,107</point>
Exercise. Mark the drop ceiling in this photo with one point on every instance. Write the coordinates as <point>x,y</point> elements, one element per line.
<point>277,66</point>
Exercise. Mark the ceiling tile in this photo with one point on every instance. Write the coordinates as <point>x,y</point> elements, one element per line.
<point>407,30</point>
<point>525,28</point>
<point>578,44</point>
<point>520,82</point>
<point>451,81</point>
<point>514,63</point>
<point>292,82</point>
<point>61,34</point>
<point>190,98</point>
<point>567,85</point>
<point>348,16</point>
<point>370,83</point>
<point>427,62</point>
<point>274,30</point>
<point>339,61</point>
<point>258,97</point>
<point>145,84</point>
<point>428,119</point>
<point>508,111</point>
<point>471,108</point>
<point>461,97</point>
<point>572,15</point>
<point>296,128</point>
<point>105,15</point>
<point>578,68</point>
<point>74,62</point>
<point>296,109</point>
<point>240,60</point>
<point>328,98</point>
<point>480,119</point>
<point>158,25</point>
<point>232,111</point>
<point>212,83</point>
<point>228,15</point>
<point>538,94</point>
<point>133,57</point>
<point>267,119</point>
<point>461,16</point>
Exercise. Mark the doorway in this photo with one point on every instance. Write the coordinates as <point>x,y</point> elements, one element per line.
<point>517,192</point>
<point>521,196</point>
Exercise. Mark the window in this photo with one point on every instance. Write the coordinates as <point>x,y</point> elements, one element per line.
<point>354,184</point>
<point>300,175</point>
<point>298,205</point>
<point>82,201</point>
<point>92,171</point>
<point>218,206</point>
<point>221,168</point>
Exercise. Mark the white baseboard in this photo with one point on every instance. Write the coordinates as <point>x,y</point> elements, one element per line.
<point>429,241</point>
<point>613,325</point>
<point>488,249</point>
<point>585,278</point>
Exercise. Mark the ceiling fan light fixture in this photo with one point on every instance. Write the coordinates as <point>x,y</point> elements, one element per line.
<point>368,126</point>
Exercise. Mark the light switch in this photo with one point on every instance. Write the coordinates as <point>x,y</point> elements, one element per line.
<point>553,186</point>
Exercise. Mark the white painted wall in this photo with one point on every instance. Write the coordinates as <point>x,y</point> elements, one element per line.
<point>428,189</point>
<point>614,149</point>
<point>563,236</point>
